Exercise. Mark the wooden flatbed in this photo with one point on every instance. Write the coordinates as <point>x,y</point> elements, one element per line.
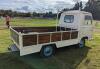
<point>40,35</point>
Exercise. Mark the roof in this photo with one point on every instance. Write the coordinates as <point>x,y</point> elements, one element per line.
<point>77,12</point>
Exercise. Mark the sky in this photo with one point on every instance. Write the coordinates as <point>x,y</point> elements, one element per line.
<point>36,5</point>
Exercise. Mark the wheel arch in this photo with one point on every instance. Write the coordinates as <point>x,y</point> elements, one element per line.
<point>54,45</point>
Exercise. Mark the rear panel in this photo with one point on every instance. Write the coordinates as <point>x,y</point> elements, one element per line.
<point>14,36</point>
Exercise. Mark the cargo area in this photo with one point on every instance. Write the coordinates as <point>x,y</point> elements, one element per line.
<point>40,35</point>
<point>40,29</point>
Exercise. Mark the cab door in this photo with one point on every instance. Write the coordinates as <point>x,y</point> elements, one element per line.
<point>87,27</point>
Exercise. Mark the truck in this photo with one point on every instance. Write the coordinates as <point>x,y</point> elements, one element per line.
<point>74,27</point>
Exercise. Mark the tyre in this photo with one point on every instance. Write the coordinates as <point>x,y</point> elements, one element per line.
<point>81,43</point>
<point>47,51</point>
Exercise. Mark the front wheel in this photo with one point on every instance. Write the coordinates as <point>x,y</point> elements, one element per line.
<point>81,43</point>
<point>47,51</point>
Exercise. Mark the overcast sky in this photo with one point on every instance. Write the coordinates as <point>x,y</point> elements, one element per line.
<point>33,4</point>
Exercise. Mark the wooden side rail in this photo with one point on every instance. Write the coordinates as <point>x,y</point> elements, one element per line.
<point>34,39</point>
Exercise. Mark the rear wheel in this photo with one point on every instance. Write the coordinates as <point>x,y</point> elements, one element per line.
<point>47,51</point>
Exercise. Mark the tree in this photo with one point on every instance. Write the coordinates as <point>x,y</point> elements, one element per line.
<point>93,6</point>
<point>81,5</point>
<point>76,7</point>
<point>65,9</point>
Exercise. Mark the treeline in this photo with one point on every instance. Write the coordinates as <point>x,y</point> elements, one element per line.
<point>14,13</point>
<point>28,14</point>
<point>44,15</point>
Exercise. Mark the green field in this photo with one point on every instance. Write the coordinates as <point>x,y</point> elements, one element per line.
<point>65,58</point>
<point>96,23</point>
<point>30,22</point>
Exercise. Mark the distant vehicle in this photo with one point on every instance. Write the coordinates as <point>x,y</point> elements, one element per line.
<point>74,28</point>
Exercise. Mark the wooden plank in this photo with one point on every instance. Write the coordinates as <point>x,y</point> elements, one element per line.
<point>66,35</point>
<point>74,34</point>
<point>44,38</point>
<point>34,29</point>
<point>56,37</point>
<point>29,40</point>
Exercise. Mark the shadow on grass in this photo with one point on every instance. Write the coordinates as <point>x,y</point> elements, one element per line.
<point>65,58</point>
<point>9,61</point>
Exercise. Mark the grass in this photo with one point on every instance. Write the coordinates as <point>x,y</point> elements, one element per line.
<point>30,22</point>
<point>65,58</point>
<point>97,24</point>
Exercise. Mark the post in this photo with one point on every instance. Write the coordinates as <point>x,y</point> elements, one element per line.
<point>57,19</point>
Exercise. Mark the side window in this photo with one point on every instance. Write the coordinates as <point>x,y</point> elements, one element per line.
<point>69,19</point>
<point>88,20</point>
